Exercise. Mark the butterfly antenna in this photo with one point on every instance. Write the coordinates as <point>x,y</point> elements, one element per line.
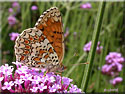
<point>80,64</point>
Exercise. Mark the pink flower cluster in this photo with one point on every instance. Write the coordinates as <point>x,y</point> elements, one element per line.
<point>34,7</point>
<point>12,19</point>
<point>113,66</point>
<point>13,11</point>
<point>29,81</point>
<point>13,36</point>
<point>116,80</point>
<point>86,6</point>
<point>87,47</point>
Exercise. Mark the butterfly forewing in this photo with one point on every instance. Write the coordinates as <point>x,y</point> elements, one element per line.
<point>50,23</point>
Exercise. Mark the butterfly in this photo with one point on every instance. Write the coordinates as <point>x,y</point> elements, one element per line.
<point>43,45</point>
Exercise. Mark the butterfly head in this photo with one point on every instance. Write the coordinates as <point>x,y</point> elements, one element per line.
<point>61,68</point>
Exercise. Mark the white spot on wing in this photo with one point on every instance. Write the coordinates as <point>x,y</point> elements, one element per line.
<point>42,60</point>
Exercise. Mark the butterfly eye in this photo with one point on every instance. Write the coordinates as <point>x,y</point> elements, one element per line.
<point>63,68</point>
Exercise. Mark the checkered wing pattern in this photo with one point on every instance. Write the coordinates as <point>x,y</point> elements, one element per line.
<point>42,46</point>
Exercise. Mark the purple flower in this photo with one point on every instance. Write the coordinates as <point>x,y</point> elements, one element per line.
<point>17,64</point>
<point>36,80</point>
<point>6,70</point>
<point>22,70</point>
<point>114,57</point>
<point>34,7</point>
<point>66,82</point>
<point>34,89</point>
<point>111,69</point>
<point>54,88</point>
<point>10,10</point>
<point>26,81</point>
<point>74,89</point>
<point>104,68</point>
<point>74,33</point>
<point>118,66</point>
<point>8,85</point>
<point>26,77</point>
<point>66,33</point>
<point>18,81</point>
<point>113,66</point>
<point>16,8</point>
<point>86,6</point>
<point>51,79</point>
<point>1,78</point>
<point>13,36</point>
<point>116,80</point>
<point>113,63</point>
<point>11,20</point>
<point>15,4</point>
<point>42,87</point>
<point>87,47</point>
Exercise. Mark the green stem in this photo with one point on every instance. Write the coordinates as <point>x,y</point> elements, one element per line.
<point>0,38</point>
<point>100,65</point>
<point>66,16</point>
<point>95,38</point>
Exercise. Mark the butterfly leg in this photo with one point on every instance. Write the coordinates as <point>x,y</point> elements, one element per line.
<point>45,73</point>
<point>58,73</point>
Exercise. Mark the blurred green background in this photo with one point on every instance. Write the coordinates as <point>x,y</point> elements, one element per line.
<point>79,24</point>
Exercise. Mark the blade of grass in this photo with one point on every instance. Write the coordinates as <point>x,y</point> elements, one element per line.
<point>66,16</point>
<point>90,59</point>
<point>0,37</point>
<point>102,61</point>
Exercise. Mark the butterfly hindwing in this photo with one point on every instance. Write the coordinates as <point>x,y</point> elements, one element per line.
<point>33,49</point>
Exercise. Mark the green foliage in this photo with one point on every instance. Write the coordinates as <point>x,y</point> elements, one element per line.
<point>81,21</point>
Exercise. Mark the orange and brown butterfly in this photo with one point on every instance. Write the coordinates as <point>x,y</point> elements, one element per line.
<point>42,46</point>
